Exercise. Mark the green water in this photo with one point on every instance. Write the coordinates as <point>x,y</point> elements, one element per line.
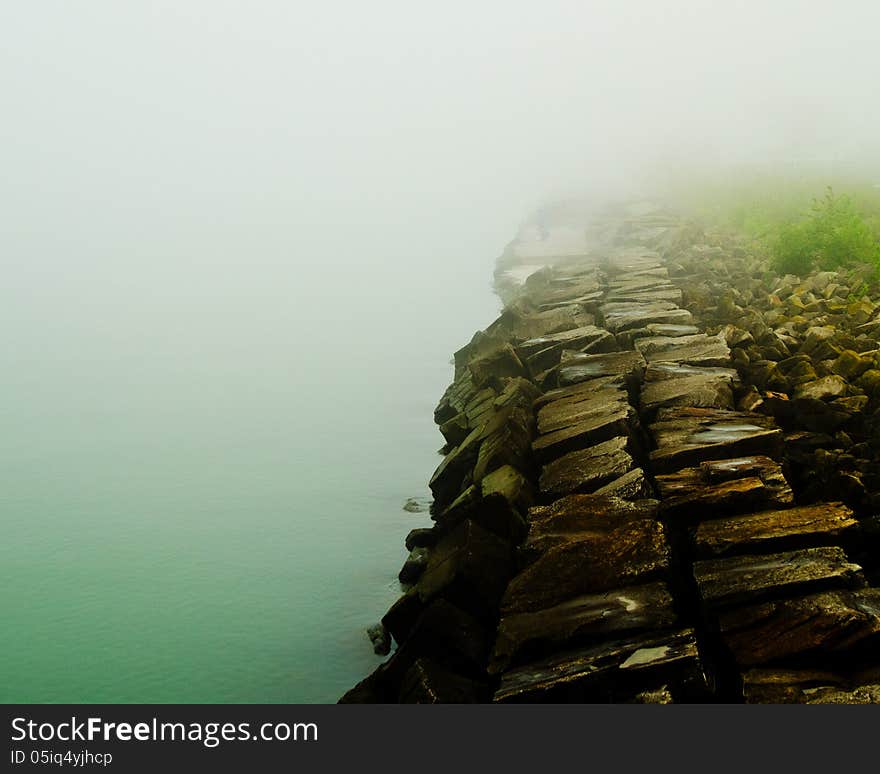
<point>202,473</point>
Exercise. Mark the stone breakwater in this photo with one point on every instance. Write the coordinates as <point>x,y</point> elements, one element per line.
<point>658,484</point>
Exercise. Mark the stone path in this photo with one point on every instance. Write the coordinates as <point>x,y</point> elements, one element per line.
<point>610,528</point>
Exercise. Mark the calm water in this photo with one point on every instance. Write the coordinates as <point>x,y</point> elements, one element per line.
<point>204,463</point>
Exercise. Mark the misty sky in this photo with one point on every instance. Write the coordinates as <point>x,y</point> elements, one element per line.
<point>228,160</point>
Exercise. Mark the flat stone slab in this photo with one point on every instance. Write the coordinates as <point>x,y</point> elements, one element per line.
<point>600,671</point>
<point>832,621</point>
<point>688,436</point>
<point>720,487</point>
<point>588,562</point>
<point>621,316</point>
<point>647,295</point>
<point>696,350</point>
<point>672,384</point>
<point>581,516</point>
<point>572,339</point>
<point>581,390</point>
<point>630,486</point>
<point>591,427</point>
<point>789,686</point>
<point>755,532</point>
<point>566,412</point>
<point>584,367</point>
<point>744,579</point>
<point>586,470</point>
<point>525,636</point>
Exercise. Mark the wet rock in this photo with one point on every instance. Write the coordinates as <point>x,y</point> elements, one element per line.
<point>850,365</point>
<point>826,388</point>
<point>509,484</point>
<point>543,353</point>
<point>501,363</point>
<point>380,638</point>
<point>427,682</point>
<point>671,384</point>
<point>601,672</point>
<point>585,367</point>
<point>579,516</point>
<point>819,343</point>
<point>720,487</point>
<point>787,686</point>
<point>524,636</point>
<point>469,567</point>
<point>422,537</point>
<point>590,561</point>
<point>688,436</point>
<point>769,530</point>
<point>414,566</point>
<point>586,470</point>
<point>588,423</point>
<point>621,316</point>
<point>417,505</point>
<point>630,486</point>
<point>830,622</point>
<point>744,579</point>
<point>696,350</point>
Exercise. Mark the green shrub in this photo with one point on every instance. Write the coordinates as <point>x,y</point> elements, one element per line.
<point>834,234</point>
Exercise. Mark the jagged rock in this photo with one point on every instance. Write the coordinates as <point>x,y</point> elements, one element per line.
<point>620,316</point>
<point>743,579</point>
<point>607,670</point>
<point>722,487</point>
<point>590,561</point>
<point>688,436</point>
<point>850,365</point>
<point>568,411</point>
<point>422,537</point>
<point>414,566</point>
<point>580,390</point>
<point>529,635</point>
<point>579,516</point>
<point>672,384</point>
<point>416,505</point>
<point>589,423</point>
<point>427,682</point>
<point>584,367</point>
<point>543,353</point>
<point>826,388</point>
<point>455,430</point>
<point>468,567</point>
<point>586,470</point>
<point>630,486</point>
<point>501,363</point>
<point>768,530</point>
<point>830,622</point>
<point>511,485</point>
<point>819,343</point>
<point>380,638</point>
<point>696,350</point>
<point>786,686</point>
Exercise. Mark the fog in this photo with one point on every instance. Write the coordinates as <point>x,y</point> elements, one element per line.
<point>241,240</point>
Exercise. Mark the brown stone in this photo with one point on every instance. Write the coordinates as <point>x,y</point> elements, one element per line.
<point>586,470</point>
<point>831,622</point>
<point>634,608</point>
<point>769,530</point>
<point>744,579</point>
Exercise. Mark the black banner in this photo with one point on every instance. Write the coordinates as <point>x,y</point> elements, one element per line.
<point>269,738</point>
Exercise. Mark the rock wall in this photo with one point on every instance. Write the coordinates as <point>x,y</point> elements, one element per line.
<point>636,499</point>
